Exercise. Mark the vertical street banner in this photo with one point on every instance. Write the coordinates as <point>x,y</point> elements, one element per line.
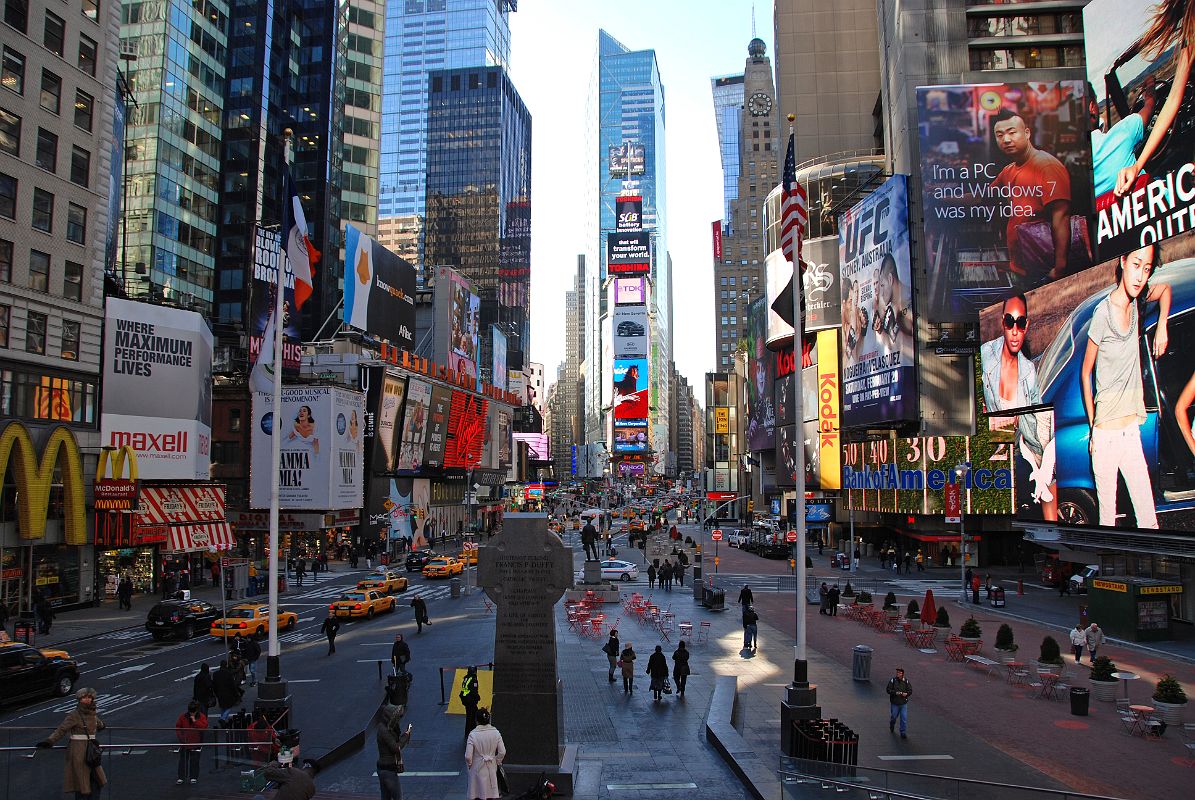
<point>822,284</point>
<point>829,437</point>
<point>878,326</point>
<point>267,257</point>
<point>716,228</point>
<point>761,380</point>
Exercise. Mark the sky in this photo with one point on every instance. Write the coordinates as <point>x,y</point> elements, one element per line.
<point>553,55</point>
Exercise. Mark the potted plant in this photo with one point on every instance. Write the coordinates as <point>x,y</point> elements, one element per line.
<point>890,600</point>
<point>913,611</point>
<point>1103,685</point>
<point>864,598</point>
<point>1050,655</point>
<point>1005,646</point>
<point>942,624</point>
<point>849,591</point>
<point>1169,698</point>
<point>970,630</point>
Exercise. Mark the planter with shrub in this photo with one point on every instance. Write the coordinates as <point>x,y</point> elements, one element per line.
<point>942,624</point>
<point>849,591</point>
<point>863,598</point>
<point>913,611</point>
<point>1170,700</point>
<point>970,631</point>
<point>890,601</point>
<point>1103,685</point>
<point>1006,647</point>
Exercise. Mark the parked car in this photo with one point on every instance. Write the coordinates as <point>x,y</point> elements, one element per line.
<point>180,618</point>
<point>1081,580</point>
<point>28,672</point>
<point>736,538</point>
<point>615,570</point>
<point>417,559</point>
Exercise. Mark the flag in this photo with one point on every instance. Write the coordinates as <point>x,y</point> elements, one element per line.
<point>793,213</point>
<point>301,256</point>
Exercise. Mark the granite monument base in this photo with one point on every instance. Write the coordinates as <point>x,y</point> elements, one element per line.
<point>521,777</point>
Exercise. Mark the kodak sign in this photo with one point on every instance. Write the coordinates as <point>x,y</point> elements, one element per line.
<point>828,409</point>
<point>33,474</point>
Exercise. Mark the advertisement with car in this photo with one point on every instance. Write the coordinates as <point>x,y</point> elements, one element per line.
<point>630,331</point>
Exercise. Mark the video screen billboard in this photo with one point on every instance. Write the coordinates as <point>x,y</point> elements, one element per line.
<point>631,439</point>
<point>1006,188</point>
<point>761,380</point>
<point>1114,339</point>
<point>466,430</point>
<point>630,388</point>
<point>458,321</point>
<point>505,427</point>
<point>878,378</point>
<point>822,284</point>
<point>1142,140</point>
<point>627,158</point>
<point>379,290</point>
<point>266,257</point>
<point>628,211</point>
<point>827,403</point>
<point>628,252</point>
<point>498,376</point>
<point>414,426</point>
<point>630,291</point>
<point>630,331</point>
<point>538,445</point>
<point>786,454</point>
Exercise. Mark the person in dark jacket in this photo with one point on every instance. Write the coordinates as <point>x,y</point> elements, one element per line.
<point>400,654</point>
<point>750,629</point>
<point>189,728</point>
<point>330,627</point>
<point>680,667</point>
<point>610,648</point>
<point>124,594</point>
<point>294,783</point>
<point>626,660</point>
<point>657,669</point>
<point>391,740</point>
<point>832,600</point>
<point>589,537</point>
<point>250,652</point>
<point>899,690</point>
<point>666,576</point>
<point>420,608</point>
<point>746,598</point>
<point>470,695</point>
<point>823,592</point>
<point>678,572</point>
<point>228,690</point>
<point>651,576</point>
<point>203,690</point>
<point>45,615</point>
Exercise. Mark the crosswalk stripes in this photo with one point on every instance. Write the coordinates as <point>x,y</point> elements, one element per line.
<point>300,638</point>
<point>130,633</point>
<point>438,592</point>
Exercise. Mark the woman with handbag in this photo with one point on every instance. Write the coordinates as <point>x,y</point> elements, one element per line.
<point>484,752</point>
<point>680,667</point>
<point>657,668</point>
<point>82,773</point>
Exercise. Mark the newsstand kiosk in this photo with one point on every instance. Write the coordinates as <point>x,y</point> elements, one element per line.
<point>1137,609</point>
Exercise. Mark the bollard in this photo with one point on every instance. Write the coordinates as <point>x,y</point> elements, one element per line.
<point>1020,586</point>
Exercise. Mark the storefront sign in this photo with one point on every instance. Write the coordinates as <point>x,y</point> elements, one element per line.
<point>34,478</point>
<point>1161,590</point>
<point>343,518</point>
<point>448,493</point>
<point>114,495</point>
<point>1110,586</point>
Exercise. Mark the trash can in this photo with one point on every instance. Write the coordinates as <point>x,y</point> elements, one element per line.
<point>861,663</point>
<point>455,585</point>
<point>1080,699</point>
<point>22,631</point>
<point>996,597</point>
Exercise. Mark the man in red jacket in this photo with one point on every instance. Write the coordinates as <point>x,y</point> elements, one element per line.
<point>190,727</point>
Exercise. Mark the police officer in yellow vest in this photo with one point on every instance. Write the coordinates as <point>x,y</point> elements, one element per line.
<point>470,697</point>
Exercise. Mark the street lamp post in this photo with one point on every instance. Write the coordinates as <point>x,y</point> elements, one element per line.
<point>960,472</point>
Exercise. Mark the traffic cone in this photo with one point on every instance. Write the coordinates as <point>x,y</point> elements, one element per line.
<point>1020,586</point>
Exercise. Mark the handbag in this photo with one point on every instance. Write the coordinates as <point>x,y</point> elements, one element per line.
<point>503,786</point>
<point>93,756</point>
<point>667,686</point>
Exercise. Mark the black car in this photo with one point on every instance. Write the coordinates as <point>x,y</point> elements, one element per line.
<point>180,618</point>
<point>26,672</point>
<point>629,328</point>
<point>417,559</point>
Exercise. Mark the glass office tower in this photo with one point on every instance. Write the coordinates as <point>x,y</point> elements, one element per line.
<point>728,115</point>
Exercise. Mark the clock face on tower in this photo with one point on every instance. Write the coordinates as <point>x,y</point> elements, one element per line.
<point>759,104</point>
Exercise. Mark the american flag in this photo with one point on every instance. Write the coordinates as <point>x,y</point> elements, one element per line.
<point>794,216</point>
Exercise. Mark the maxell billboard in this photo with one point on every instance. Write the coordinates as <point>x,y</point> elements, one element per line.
<point>628,252</point>
<point>158,388</point>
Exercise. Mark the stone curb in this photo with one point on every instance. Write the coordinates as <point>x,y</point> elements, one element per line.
<point>758,779</point>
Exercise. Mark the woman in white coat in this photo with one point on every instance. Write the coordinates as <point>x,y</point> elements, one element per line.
<point>484,752</point>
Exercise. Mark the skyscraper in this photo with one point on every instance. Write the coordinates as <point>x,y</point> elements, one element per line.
<point>728,110</point>
<point>479,196</point>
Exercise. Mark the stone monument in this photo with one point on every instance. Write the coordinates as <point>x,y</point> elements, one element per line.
<point>525,570</point>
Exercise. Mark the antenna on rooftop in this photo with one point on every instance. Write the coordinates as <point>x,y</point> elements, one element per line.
<point>753,20</point>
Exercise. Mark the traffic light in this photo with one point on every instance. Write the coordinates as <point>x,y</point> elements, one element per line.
<point>750,506</point>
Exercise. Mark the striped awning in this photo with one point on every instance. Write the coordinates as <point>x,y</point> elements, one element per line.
<point>201,536</point>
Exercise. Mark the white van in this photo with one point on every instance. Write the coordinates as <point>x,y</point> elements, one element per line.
<point>736,538</point>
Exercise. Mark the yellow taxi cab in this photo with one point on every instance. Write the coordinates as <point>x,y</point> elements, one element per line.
<point>384,582</point>
<point>443,567</point>
<point>638,526</point>
<point>251,620</point>
<point>53,654</point>
<point>362,603</point>
<point>468,557</point>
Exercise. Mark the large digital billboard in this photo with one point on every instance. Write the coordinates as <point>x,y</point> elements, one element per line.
<point>1006,191</point>
<point>630,439</point>
<point>761,379</point>
<point>627,158</point>
<point>827,403</point>
<point>1101,361</point>
<point>498,368</point>
<point>458,322</point>
<point>628,252</point>
<point>379,290</point>
<point>630,388</point>
<point>628,211</point>
<point>630,331</point>
<point>1142,120</point>
<point>878,378</point>
<point>630,291</point>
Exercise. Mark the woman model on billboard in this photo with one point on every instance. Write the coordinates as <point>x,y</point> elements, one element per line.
<point>304,429</point>
<point>1116,409</point>
<point>1173,24</point>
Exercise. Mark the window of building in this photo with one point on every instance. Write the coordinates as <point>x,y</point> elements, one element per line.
<point>43,210</point>
<point>33,394</point>
<point>39,271</point>
<point>10,133</point>
<point>47,150</point>
<point>16,14</point>
<point>54,35</point>
<point>732,280</point>
<point>734,321</point>
<point>84,109</point>
<point>91,10</point>
<point>51,91</point>
<point>723,280</point>
<point>724,322</point>
<point>12,71</point>
<point>234,420</point>
<point>72,281</point>
<point>35,333</point>
<point>5,261</point>
<point>1027,58</point>
<point>70,339</point>
<point>5,314</point>
<point>87,51</point>
<point>8,196</point>
<point>80,166</point>
<point>76,223</point>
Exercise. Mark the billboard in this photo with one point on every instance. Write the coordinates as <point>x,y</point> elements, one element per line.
<point>722,420</point>
<point>761,380</point>
<point>1143,174</point>
<point>266,257</point>
<point>504,430</point>
<point>822,284</point>
<point>458,320</point>
<point>158,388</point>
<point>630,291</point>
<point>538,447</point>
<point>386,423</point>
<point>827,403</point>
<point>498,375</point>
<point>1006,187</point>
<point>630,331</point>
<point>414,426</point>
<point>627,158</point>
<point>628,252</point>
<point>322,450</point>
<point>379,290</point>
<point>786,454</point>
<point>1114,339</point>
<point>514,256</point>
<point>466,430</point>
<point>631,439</point>
<point>877,315</point>
<point>778,272</point>
<point>630,388</point>
<point>628,213</point>
<point>437,427</point>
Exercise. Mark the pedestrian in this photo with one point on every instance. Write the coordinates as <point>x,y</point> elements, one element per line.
<point>262,738</point>
<point>330,628</point>
<point>470,695</point>
<point>820,544</point>
<point>908,561</point>
<point>626,660</point>
<point>202,690</point>
<point>975,589</point>
<point>1078,640</point>
<point>391,740</point>
<point>227,689</point>
<point>250,652</point>
<point>899,691</point>
<point>1095,638</point>
<point>651,576</point>
<point>823,592</point>
<point>300,571</point>
<point>680,667</point>
<point>294,783</point>
<point>657,669</point>
<point>610,648</point>
<point>750,628</point>
<point>420,607</point>
<point>189,728</point>
<point>967,578</point>
<point>184,579</point>
<point>678,571</point>
<point>124,593</point>
<point>45,615</point>
<point>745,596</point>
<point>858,558</point>
<point>666,576</point>
<point>400,654</point>
<point>78,727</point>
<point>215,573</point>
<point>1064,587</point>
<point>832,600</point>
<point>920,560</point>
<point>484,751</point>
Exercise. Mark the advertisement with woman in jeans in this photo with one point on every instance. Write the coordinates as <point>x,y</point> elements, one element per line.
<point>1116,407</point>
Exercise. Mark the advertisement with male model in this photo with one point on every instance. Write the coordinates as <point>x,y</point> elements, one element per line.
<point>1006,191</point>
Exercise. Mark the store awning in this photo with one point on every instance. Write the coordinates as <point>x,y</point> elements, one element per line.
<point>189,538</point>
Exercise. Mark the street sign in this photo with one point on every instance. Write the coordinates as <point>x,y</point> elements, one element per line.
<point>716,535</point>
<point>791,537</point>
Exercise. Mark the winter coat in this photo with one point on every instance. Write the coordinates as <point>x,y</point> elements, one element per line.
<point>330,627</point>
<point>899,690</point>
<point>204,690</point>
<point>627,657</point>
<point>657,665</point>
<point>651,573</point>
<point>227,688</point>
<point>294,783</point>
<point>484,751</point>
<point>250,649</point>
<point>76,775</point>
<point>1095,637</point>
<point>745,596</point>
<point>610,648</point>
<point>190,731</point>
<point>391,739</point>
<point>749,617</point>
<point>400,653</point>
<point>680,663</point>
<point>1078,637</point>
